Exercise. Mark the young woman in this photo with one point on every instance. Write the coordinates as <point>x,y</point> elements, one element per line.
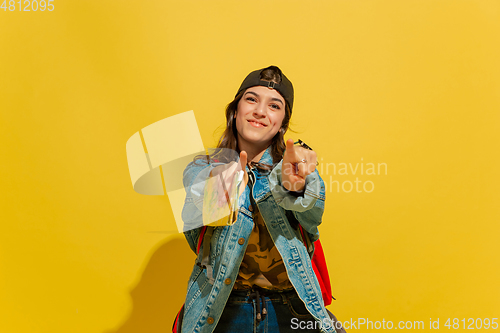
<point>256,275</point>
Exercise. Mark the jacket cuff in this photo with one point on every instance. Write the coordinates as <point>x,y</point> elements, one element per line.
<point>290,200</point>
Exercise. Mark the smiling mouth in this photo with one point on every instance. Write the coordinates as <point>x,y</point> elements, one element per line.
<point>256,123</point>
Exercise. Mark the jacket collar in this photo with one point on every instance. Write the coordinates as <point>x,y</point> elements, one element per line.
<point>265,161</point>
<point>266,158</point>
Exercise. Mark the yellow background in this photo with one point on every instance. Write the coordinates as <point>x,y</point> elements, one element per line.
<point>413,84</point>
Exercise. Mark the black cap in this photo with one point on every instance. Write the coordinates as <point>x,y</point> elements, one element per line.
<point>285,87</point>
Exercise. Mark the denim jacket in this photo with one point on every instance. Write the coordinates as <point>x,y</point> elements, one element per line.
<point>281,211</point>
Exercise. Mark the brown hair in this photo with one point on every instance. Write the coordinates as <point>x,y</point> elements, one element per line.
<point>229,137</point>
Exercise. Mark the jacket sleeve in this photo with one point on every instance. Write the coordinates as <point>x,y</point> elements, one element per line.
<point>194,177</point>
<point>308,207</point>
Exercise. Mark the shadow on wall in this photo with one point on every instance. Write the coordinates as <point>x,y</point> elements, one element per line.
<point>161,291</point>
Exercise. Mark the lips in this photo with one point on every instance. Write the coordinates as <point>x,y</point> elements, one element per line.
<point>256,123</point>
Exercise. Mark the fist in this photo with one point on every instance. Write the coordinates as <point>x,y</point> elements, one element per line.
<point>298,162</point>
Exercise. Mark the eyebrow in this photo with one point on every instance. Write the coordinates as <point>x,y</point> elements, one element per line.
<point>273,99</point>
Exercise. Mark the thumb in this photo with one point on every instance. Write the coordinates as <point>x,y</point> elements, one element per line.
<point>289,147</point>
<point>243,160</point>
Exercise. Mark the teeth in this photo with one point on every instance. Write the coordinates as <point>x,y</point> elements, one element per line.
<point>252,121</point>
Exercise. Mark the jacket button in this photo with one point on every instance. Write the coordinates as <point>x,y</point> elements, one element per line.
<point>227,281</point>
<point>210,320</point>
<point>250,208</point>
<point>241,241</point>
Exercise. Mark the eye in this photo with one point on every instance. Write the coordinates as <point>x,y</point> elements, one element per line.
<point>251,99</point>
<point>275,106</point>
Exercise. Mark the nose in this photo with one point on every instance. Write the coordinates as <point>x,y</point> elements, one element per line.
<point>260,110</point>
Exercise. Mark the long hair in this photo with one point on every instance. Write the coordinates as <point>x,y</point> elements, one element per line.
<point>229,138</point>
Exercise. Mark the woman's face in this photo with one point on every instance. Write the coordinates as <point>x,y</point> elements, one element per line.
<point>259,116</point>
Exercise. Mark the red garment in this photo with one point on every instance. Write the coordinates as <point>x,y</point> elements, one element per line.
<point>321,270</point>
